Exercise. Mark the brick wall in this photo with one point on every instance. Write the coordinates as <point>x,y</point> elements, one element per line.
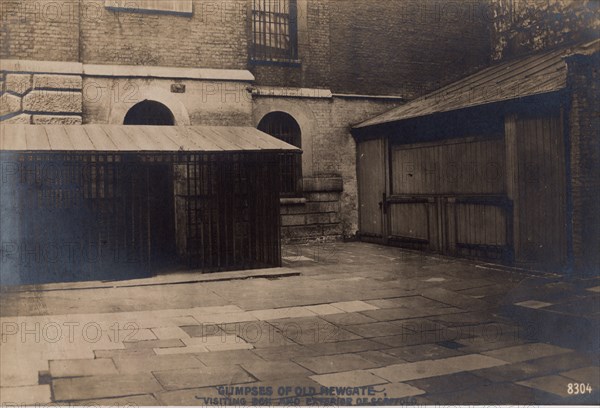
<point>405,47</point>
<point>524,26</point>
<point>584,83</point>
<point>313,67</point>
<point>213,37</point>
<point>39,30</point>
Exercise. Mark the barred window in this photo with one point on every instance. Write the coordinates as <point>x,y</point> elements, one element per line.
<point>284,127</point>
<point>274,30</point>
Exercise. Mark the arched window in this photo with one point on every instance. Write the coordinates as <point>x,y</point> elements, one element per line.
<point>284,127</point>
<point>149,113</point>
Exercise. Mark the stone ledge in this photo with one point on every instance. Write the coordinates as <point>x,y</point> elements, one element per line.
<point>56,120</point>
<point>328,184</point>
<point>168,72</point>
<point>292,201</point>
<point>50,67</point>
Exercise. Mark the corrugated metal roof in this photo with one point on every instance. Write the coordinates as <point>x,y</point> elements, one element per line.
<point>119,138</point>
<point>532,75</point>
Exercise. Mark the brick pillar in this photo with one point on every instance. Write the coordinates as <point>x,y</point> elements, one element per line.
<point>584,138</point>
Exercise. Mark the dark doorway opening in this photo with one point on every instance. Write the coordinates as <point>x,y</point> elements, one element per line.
<point>150,113</point>
<point>284,127</point>
<point>161,213</point>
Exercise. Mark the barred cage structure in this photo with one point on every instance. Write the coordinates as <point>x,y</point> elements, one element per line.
<point>89,215</point>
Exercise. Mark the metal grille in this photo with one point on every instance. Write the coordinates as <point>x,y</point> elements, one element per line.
<point>285,128</point>
<point>274,30</point>
<point>79,216</point>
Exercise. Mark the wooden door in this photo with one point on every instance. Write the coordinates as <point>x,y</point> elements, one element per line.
<point>371,164</point>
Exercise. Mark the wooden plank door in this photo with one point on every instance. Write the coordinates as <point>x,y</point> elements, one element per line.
<point>371,165</point>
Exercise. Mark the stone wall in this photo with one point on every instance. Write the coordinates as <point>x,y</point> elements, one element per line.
<point>327,208</point>
<point>524,26</point>
<point>406,47</point>
<point>584,128</point>
<point>196,102</point>
<point>40,98</point>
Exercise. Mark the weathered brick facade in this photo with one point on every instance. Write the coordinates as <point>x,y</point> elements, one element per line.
<point>525,26</point>
<point>350,53</point>
<point>584,131</point>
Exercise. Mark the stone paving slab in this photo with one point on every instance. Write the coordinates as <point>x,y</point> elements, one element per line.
<point>230,357</point>
<point>400,313</point>
<point>422,352</point>
<point>335,363</point>
<point>342,347</point>
<point>533,368</point>
<point>150,344</point>
<point>138,352</point>
<point>449,383</point>
<point>354,306</point>
<point>434,368</point>
<point>96,387</point>
<point>346,319</point>
<point>169,333</point>
<point>399,390</point>
<point>202,377</point>
<point>283,313</point>
<point>587,375</point>
<point>275,371</point>
<point>285,353</point>
<point>225,318</point>
<point>324,309</point>
<point>180,350</point>
<point>554,384</point>
<point>489,394</point>
<point>380,358</point>
<point>146,400</point>
<point>81,368</point>
<point>27,395</point>
<point>355,378</point>
<point>526,352</point>
<point>378,329</point>
<point>134,365</point>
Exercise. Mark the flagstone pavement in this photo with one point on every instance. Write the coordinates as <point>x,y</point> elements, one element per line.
<point>354,324</point>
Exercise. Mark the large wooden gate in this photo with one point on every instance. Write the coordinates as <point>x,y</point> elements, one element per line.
<point>499,197</point>
<point>450,197</point>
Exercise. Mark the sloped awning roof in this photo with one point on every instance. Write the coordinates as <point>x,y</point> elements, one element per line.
<point>532,75</point>
<point>120,138</point>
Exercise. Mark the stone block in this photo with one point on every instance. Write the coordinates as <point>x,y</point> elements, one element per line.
<point>9,104</point>
<point>45,81</point>
<point>19,84</point>
<point>56,120</point>
<point>19,119</point>
<point>293,209</point>
<point>323,184</point>
<point>291,220</point>
<point>53,101</point>
<point>105,386</point>
<point>202,377</point>
<point>82,368</point>
<point>323,206</point>
<point>317,219</point>
<point>320,197</point>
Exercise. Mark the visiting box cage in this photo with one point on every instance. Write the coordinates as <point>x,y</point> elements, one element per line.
<point>83,215</point>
